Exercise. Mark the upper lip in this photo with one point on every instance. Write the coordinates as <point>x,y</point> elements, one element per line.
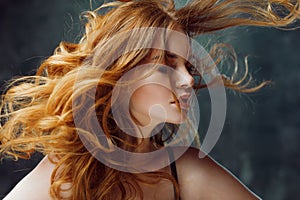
<point>183,98</point>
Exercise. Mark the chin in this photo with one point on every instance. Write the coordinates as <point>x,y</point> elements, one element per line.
<point>182,118</point>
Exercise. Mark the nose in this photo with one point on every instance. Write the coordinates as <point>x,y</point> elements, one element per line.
<point>185,80</point>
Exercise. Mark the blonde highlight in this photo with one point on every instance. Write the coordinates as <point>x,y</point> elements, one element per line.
<point>37,111</point>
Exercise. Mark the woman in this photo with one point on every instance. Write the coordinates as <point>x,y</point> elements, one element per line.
<point>127,87</point>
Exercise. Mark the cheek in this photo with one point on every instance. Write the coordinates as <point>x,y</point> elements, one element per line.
<point>146,96</point>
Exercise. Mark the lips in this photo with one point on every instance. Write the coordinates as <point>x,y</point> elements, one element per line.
<point>183,101</point>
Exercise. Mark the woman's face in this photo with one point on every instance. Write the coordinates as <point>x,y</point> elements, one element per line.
<point>164,95</point>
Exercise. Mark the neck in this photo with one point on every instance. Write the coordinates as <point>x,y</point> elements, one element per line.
<point>145,133</point>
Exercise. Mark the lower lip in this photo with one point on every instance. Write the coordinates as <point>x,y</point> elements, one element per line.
<point>183,106</point>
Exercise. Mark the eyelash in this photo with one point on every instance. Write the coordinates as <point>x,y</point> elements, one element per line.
<point>190,68</point>
<point>162,69</point>
<point>172,56</point>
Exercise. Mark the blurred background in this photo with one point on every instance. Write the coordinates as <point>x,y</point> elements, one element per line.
<point>260,143</point>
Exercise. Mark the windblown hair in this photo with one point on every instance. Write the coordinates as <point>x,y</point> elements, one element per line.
<point>37,112</point>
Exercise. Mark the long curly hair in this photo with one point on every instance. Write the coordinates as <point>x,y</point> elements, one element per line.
<point>37,111</point>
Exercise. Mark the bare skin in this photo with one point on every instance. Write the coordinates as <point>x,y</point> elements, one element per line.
<point>198,179</point>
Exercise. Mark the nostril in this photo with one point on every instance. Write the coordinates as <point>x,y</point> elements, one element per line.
<point>185,79</point>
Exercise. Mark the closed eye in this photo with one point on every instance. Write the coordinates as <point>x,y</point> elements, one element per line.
<point>163,69</point>
<point>190,68</point>
<point>171,59</point>
<point>171,55</point>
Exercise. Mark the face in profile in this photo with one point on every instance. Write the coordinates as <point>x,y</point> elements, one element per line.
<point>165,95</point>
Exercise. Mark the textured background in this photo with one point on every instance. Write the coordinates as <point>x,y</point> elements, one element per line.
<point>260,143</point>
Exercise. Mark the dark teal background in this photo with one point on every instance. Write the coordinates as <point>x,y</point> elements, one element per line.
<point>260,142</point>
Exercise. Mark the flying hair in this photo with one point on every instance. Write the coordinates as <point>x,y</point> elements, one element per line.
<point>37,112</point>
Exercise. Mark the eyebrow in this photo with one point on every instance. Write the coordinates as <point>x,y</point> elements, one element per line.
<point>173,55</point>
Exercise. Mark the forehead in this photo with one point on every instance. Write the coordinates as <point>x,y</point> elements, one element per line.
<point>178,42</point>
<point>175,41</point>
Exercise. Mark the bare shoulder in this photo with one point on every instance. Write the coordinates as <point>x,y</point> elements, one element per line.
<point>35,185</point>
<point>204,178</point>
